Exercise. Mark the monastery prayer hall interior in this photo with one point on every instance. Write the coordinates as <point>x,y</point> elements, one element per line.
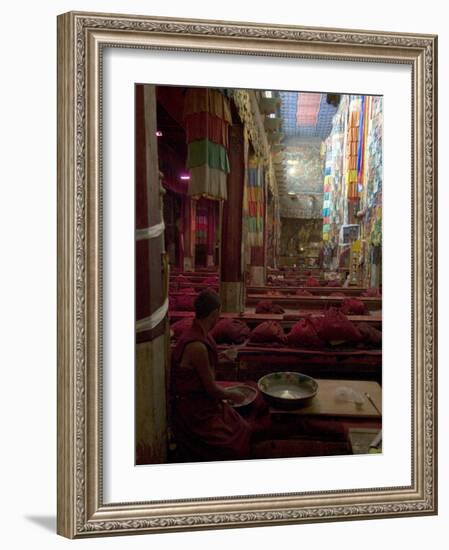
<point>258,274</point>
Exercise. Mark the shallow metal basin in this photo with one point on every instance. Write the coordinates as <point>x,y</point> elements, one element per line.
<point>288,390</point>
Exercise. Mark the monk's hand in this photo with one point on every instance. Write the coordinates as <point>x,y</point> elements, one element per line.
<point>235,396</point>
<point>228,354</point>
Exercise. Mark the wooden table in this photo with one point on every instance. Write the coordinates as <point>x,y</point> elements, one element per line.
<point>326,412</point>
<point>193,276</point>
<point>326,404</point>
<point>197,285</point>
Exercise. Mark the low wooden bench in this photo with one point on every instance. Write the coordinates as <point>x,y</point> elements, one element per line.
<point>310,302</point>
<point>315,290</point>
<point>286,319</point>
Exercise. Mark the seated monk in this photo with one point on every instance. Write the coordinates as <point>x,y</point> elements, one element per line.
<point>205,425</point>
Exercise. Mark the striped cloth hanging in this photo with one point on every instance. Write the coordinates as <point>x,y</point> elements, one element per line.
<point>255,203</point>
<point>207,116</point>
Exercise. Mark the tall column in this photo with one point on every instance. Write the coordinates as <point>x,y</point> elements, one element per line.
<point>170,229</point>
<point>376,263</point>
<point>189,206</point>
<point>211,223</point>
<point>257,267</point>
<point>231,280</point>
<point>151,277</point>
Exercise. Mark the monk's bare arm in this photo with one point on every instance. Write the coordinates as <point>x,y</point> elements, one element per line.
<point>196,355</point>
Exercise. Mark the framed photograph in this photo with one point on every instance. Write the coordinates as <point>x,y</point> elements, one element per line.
<point>225,358</point>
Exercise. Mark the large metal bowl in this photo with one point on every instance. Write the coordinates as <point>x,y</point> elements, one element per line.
<point>288,390</point>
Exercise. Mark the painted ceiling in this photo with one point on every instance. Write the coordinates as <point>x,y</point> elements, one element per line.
<point>306,115</point>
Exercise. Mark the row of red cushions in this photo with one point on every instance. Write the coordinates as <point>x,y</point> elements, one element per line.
<point>268,332</point>
<point>226,331</point>
<point>334,327</point>
<point>312,282</point>
<point>350,306</point>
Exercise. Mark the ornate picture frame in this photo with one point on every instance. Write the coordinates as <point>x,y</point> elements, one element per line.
<point>82,38</point>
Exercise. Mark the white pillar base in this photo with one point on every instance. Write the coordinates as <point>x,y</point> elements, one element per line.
<point>188,264</point>
<point>257,275</point>
<point>171,253</point>
<point>151,425</point>
<point>232,297</point>
<point>374,276</point>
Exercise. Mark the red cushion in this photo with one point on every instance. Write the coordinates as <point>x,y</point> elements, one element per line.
<point>267,306</point>
<point>311,281</point>
<point>303,333</point>
<point>352,306</point>
<point>302,292</point>
<point>334,326</point>
<point>370,335</point>
<point>371,293</point>
<point>230,331</point>
<point>268,332</point>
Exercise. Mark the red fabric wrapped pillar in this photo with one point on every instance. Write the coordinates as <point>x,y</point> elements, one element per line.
<point>207,117</point>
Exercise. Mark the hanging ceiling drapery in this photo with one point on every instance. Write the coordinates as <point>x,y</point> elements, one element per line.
<point>353,146</point>
<point>207,117</point>
<point>333,188</point>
